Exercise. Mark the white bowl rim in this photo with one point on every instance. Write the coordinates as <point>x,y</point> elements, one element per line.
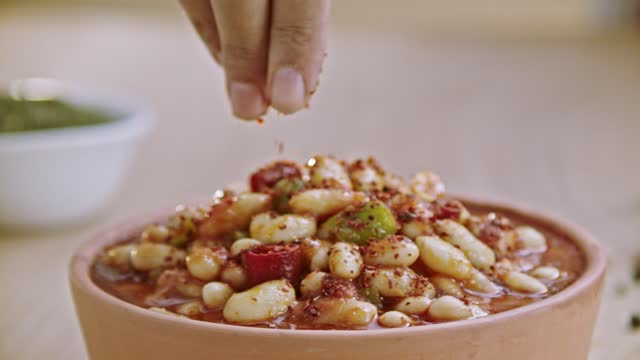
<point>131,121</point>
<point>595,256</point>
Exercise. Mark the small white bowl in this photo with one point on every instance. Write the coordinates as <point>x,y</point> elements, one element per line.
<point>58,176</point>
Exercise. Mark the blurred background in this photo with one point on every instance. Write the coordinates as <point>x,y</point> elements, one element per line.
<point>534,102</point>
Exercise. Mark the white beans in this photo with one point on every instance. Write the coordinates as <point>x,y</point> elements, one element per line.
<point>204,264</point>
<point>545,273</point>
<point>229,216</point>
<point>327,172</point>
<point>449,308</point>
<point>260,303</point>
<point>428,185</point>
<point>344,312</point>
<point>345,260</point>
<point>416,228</point>
<point>413,305</point>
<point>119,256</point>
<point>234,275</point>
<point>523,283</point>
<point>149,256</point>
<point>480,283</point>
<point>311,285</point>
<point>191,308</point>
<point>155,233</point>
<point>396,282</point>
<point>531,239</point>
<point>216,294</point>
<point>394,319</point>
<point>366,176</point>
<point>284,228</point>
<point>443,257</point>
<point>241,245</point>
<point>447,286</point>
<point>320,203</point>
<point>164,311</point>
<point>395,250</point>
<point>316,252</point>
<point>480,255</point>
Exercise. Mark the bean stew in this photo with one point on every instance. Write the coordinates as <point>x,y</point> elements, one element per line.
<point>337,245</point>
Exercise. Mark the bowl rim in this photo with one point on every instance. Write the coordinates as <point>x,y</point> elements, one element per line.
<point>594,253</point>
<point>130,121</point>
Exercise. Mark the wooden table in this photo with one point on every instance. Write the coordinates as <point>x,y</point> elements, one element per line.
<point>552,124</point>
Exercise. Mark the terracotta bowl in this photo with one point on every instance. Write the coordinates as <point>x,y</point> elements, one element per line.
<point>559,327</point>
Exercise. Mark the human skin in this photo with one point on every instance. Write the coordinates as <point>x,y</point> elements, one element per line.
<point>271,50</point>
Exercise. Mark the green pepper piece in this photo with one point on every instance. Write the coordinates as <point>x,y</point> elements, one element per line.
<point>371,295</point>
<point>371,220</point>
<point>283,190</point>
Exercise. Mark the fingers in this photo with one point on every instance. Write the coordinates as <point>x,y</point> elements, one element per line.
<point>201,15</point>
<point>297,50</point>
<point>243,29</point>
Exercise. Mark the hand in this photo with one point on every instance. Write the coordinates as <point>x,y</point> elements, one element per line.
<point>271,50</point>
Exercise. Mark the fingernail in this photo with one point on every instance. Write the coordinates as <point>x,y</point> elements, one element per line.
<point>287,91</point>
<point>246,100</point>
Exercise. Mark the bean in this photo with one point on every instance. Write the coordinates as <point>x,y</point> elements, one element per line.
<point>204,264</point>
<point>231,215</point>
<point>260,303</point>
<point>284,228</point>
<point>545,272</point>
<point>234,275</point>
<point>443,257</point>
<point>322,203</point>
<point>191,308</point>
<point>417,227</point>
<point>327,172</point>
<point>241,245</point>
<point>480,255</point>
<point>449,308</point>
<point>413,305</point>
<point>366,175</point>
<point>345,260</point>
<point>150,256</point>
<point>531,239</point>
<point>216,294</point>
<point>394,319</point>
<point>155,233</point>
<point>395,250</point>
<point>348,313</point>
<point>447,286</point>
<point>427,185</point>
<point>311,285</point>
<point>119,256</point>
<point>316,253</point>
<point>523,283</point>
<point>480,283</point>
<point>395,282</point>
<point>164,311</point>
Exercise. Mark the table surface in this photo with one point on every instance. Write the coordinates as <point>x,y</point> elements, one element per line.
<point>552,124</point>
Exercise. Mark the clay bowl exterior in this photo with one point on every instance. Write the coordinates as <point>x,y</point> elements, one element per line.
<point>559,327</point>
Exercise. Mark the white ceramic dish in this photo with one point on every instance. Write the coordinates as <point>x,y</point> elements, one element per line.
<point>59,176</point>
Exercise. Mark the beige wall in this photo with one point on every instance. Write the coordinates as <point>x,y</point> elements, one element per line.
<point>504,17</point>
